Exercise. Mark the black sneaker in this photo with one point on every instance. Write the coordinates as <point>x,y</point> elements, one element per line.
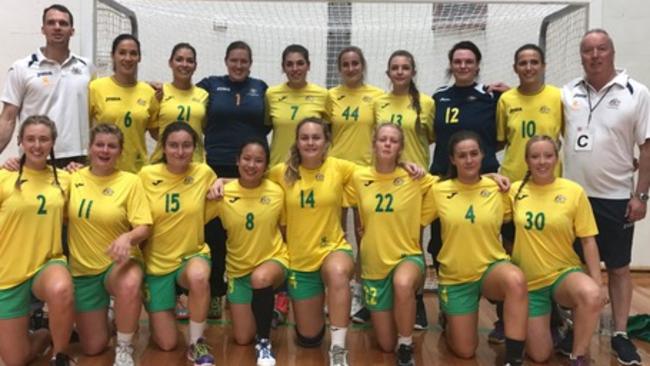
<point>405,355</point>
<point>61,359</point>
<point>497,334</point>
<point>565,346</point>
<point>625,350</point>
<point>362,316</point>
<point>421,322</point>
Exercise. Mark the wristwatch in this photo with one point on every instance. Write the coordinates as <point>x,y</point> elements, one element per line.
<point>643,197</point>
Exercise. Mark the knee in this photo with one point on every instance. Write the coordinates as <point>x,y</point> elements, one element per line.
<point>589,297</point>
<point>538,356</point>
<point>463,352</point>
<point>93,347</point>
<point>310,341</point>
<point>261,280</point>
<point>198,280</point>
<point>129,287</point>
<point>386,346</point>
<point>61,292</point>
<point>404,287</point>
<point>166,344</point>
<point>16,358</point>
<point>516,284</point>
<point>242,339</point>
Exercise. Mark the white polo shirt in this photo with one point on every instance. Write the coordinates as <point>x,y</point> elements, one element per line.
<point>37,85</point>
<point>599,151</point>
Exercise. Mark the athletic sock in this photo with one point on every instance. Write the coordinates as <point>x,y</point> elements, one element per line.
<point>514,350</point>
<point>196,331</point>
<point>262,305</point>
<point>338,335</point>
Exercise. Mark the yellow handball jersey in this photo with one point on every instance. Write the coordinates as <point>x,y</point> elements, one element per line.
<point>286,107</point>
<point>133,109</point>
<point>252,219</point>
<point>470,218</point>
<point>100,209</point>
<point>520,117</point>
<point>547,219</point>
<point>351,114</point>
<point>398,109</point>
<point>182,105</point>
<point>313,212</point>
<point>30,222</point>
<point>391,207</point>
<point>177,204</point>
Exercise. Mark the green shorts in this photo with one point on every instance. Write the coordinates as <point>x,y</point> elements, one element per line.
<point>160,291</point>
<point>306,285</point>
<point>240,290</point>
<point>15,301</point>
<point>90,291</point>
<point>378,294</point>
<point>540,301</point>
<point>463,298</point>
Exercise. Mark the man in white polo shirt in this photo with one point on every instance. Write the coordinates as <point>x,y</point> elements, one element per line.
<point>607,114</point>
<point>51,81</point>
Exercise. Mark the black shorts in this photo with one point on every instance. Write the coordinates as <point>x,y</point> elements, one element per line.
<point>615,233</point>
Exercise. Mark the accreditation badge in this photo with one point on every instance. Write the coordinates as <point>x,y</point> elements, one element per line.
<point>584,139</point>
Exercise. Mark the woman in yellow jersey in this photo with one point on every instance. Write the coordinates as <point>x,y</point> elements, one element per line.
<point>549,214</point>
<point>257,258</point>
<point>319,255</point>
<point>182,101</point>
<point>405,106</point>
<point>32,202</point>
<point>108,216</point>
<point>472,260</point>
<point>291,102</point>
<point>124,101</point>
<point>533,108</point>
<point>391,203</point>
<point>350,113</point>
<point>176,253</point>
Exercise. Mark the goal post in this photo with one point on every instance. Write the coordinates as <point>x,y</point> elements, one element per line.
<point>427,29</point>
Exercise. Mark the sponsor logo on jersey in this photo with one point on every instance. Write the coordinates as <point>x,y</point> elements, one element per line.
<point>520,197</point>
<point>451,195</point>
<point>471,98</point>
<point>141,101</point>
<point>282,98</point>
<point>580,95</point>
<point>157,182</point>
<point>233,200</point>
<point>485,193</point>
<point>560,198</point>
<point>44,73</point>
<point>188,180</point>
<point>77,185</point>
<point>614,103</point>
<point>341,97</point>
<point>398,181</point>
<point>385,105</point>
<point>223,88</point>
<point>21,181</point>
<point>320,177</point>
<point>513,110</point>
<point>169,97</point>
<point>368,183</point>
<point>253,93</point>
<point>265,200</point>
<point>112,99</point>
<point>544,109</point>
<point>107,191</point>
<point>443,99</point>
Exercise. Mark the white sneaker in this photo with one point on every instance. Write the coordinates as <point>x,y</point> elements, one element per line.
<point>338,356</point>
<point>264,354</point>
<point>124,355</point>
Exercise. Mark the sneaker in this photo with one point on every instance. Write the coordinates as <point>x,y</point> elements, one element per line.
<point>514,363</point>
<point>421,322</point>
<point>199,353</point>
<point>357,298</point>
<point>565,346</point>
<point>338,356</point>
<point>362,316</point>
<point>579,361</point>
<point>405,355</point>
<point>60,359</point>
<point>498,334</point>
<point>264,355</point>
<point>124,355</point>
<point>281,309</point>
<point>214,312</point>
<point>625,350</point>
<point>181,311</point>
<point>39,319</point>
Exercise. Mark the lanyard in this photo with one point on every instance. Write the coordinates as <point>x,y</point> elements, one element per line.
<point>592,109</point>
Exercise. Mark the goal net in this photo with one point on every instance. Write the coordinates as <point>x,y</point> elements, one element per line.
<point>426,29</point>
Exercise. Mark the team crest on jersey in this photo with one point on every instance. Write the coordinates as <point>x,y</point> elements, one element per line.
<point>398,181</point>
<point>323,241</point>
<point>485,193</point>
<point>575,105</point>
<point>366,99</point>
<point>513,110</point>
<point>107,191</point>
<point>309,98</point>
<point>196,100</point>
<point>265,200</point>
<point>320,177</point>
<point>75,71</point>
<point>188,180</point>
<point>471,98</point>
<point>560,198</point>
<point>253,93</point>
<point>141,101</point>
<point>545,109</point>
<point>614,103</point>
